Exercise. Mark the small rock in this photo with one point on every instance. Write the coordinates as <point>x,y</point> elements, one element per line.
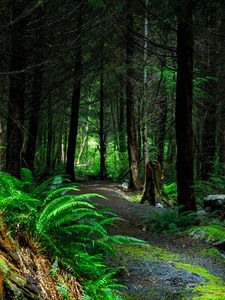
<point>125,186</point>
<point>214,202</point>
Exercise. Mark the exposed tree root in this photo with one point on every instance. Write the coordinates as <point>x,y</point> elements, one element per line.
<point>25,273</point>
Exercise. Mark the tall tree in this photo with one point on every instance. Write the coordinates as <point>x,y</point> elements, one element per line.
<point>211,99</point>
<point>131,131</point>
<point>36,92</point>
<point>75,105</point>
<point>101,129</point>
<point>15,123</point>
<point>184,98</point>
<point>144,120</point>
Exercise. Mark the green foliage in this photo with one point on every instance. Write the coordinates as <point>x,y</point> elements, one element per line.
<point>211,233</point>
<point>97,3</point>
<point>19,207</point>
<point>170,192</point>
<point>116,163</point>
<point>169,221</point>
<point>215,185</point>
<point>68,225</point>
<point>115,166</point>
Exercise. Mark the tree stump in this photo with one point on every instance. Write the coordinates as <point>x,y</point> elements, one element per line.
<point>152,187</point>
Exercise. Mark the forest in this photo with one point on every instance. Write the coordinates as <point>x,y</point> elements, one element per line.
<point>112,149</point>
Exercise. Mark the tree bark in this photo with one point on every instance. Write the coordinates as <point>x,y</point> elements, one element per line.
<point>1,145</point>
<point>121,123</point>
<point>211,101</point>
<point>152,187</point>
<point>34,118</point>
<point>15,122</point>
<point>49,136</point>
<point>131,132</point>
<point>101,130</point>
<point>36,94</point>
<point>162,122</point>
<point>144,104</point>
<point>184,97</point>
<point>75,105</point>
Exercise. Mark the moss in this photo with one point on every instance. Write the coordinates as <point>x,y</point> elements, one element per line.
<point>214,254</point>
<point>148,252</point>
<point>4,268</point>
<point>212,288</point>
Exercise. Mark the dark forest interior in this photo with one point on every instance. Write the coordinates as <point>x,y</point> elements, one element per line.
<point>121,100</point>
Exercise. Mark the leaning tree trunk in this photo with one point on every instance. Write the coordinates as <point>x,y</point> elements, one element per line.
<point>131,132</point>
<point>15,122</point>
<point>184,96</point>
<point>75,105</point>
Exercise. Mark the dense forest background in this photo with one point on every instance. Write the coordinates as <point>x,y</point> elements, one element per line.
<point>99,88</point>
<point>105,105</point>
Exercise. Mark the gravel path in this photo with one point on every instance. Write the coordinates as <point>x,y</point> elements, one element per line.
<point>150,276</point>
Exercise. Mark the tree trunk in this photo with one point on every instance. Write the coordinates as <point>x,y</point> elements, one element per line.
<point>36,94</point>
<point>15,122</point>
<point>221,89</point>
<point>121,125</point>
<point>184,96</point>
<point>209,127</point>
<point>75,105</point>
<point>162,122</point>
<point>83,146</point>
<point>152,186</point>
<point>144,104</point>
<point>1,145</point>
<point>131,132</point>
<point>49,136</point>
<point>101,129</point>
<point>34,118</point>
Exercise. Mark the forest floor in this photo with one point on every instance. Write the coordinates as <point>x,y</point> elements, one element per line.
<point>168,266</point>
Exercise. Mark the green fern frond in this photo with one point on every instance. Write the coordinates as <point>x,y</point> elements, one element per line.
<point>58,192</point>
<point>68,200</point>
<point>19,199</point>
<point>120,239</point>
<point>211,233</point>
<point>46,186</point>
<point>87,228</point>
<point>27,180</point>
<point>76,215</point>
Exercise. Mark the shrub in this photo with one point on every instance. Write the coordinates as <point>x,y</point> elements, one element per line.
<point>169,221</point>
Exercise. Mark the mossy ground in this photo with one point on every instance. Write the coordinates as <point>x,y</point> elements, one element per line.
<point>212,287</point>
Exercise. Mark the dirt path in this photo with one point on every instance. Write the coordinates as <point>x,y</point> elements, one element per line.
<point>168,267</point>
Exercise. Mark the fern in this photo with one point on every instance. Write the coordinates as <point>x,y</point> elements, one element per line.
<point>211,233</point>
<point>169,221</point>
<point>68,225</point>
<point>28,180</point>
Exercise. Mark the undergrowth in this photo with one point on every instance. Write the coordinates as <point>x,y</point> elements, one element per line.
<point>68,226</point>
<point>169,221</point>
